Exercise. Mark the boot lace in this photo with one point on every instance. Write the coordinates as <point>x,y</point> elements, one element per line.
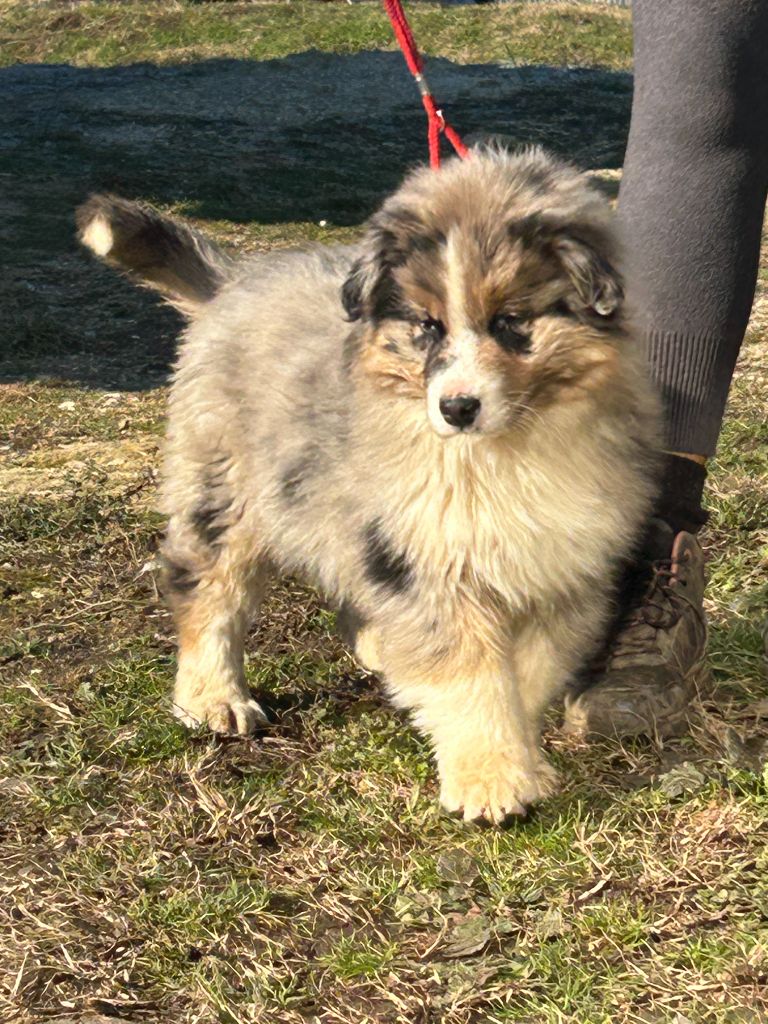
<point>660,606</point>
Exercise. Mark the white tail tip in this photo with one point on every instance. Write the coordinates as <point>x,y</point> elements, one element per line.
<point>97,235</point>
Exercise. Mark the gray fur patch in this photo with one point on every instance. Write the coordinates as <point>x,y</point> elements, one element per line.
<point>207,517</point>
<point>296,474</point>
<point>435,362</point>
<point>349,622</point>
<point>353,343</point>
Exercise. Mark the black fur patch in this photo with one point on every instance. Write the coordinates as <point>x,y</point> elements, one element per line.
<point>352,292</point>
<point>562,309</point>
<point>203,521</point>
<point>510,334</point>
<point>370,290</point>
<point>435,361</point>
<point>177,579</point>
<point>214,503</point>
<point>387,301</point>
<point>531,229</point>
<point>383,565</point>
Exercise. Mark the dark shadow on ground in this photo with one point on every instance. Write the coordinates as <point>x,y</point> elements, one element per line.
<point>310,137</point>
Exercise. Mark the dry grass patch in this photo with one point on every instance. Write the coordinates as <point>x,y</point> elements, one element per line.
<point>306,874</point>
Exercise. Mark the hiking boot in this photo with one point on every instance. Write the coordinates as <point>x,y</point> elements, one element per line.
<point>654,663</point>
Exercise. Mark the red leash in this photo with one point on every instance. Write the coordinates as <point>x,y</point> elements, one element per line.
<point>435,119</point>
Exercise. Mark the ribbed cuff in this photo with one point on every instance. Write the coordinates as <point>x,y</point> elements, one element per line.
<point>693,373</point>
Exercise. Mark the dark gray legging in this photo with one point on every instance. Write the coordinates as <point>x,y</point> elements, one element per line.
<point>693,197</point>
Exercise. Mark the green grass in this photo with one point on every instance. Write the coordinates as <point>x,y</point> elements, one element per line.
<point>119,33</point>
<point>306,874</point>
<point>352,958</point>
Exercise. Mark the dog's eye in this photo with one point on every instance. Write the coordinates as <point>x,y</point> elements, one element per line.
<point>434,329</point>
<point>508,331</point>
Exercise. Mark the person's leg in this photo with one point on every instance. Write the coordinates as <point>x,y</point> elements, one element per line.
<point>691,207</point>
<point>692,198</point>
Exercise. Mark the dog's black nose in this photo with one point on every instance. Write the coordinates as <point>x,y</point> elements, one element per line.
<point>460,411</point>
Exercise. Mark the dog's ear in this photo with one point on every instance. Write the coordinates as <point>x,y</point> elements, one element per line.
<point>596,281</point>
<point>352,291</point>
<point>369,286</point>
<point>358,286</point>
<point>370,289</point>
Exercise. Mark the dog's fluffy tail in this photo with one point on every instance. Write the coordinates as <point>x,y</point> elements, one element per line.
<point>155,251</point>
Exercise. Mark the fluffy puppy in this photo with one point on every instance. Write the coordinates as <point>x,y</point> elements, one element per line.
<point>446,428</point>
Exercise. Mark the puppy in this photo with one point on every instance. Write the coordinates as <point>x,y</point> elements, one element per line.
<point>447,429</point>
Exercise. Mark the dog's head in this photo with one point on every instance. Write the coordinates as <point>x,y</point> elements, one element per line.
<point>490,289</point>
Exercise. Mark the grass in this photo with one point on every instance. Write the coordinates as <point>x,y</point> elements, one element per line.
<point>119,33</point>
<point>306,874</point>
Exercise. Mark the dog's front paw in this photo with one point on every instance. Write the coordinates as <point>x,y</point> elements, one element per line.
<point>495,788</point>
<point>226,714</point>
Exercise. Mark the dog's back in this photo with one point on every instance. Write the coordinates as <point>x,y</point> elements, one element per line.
<point>260,368</point>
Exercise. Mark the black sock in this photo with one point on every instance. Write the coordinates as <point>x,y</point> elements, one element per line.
<point>680,493</point>
<point>678,507</point>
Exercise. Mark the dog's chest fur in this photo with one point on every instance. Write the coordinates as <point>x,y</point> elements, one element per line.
<point>523,518</point>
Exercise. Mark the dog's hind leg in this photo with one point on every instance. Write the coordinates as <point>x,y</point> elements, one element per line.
<point>367,648</point>
<point>214,599</point>
<point>361,636</point>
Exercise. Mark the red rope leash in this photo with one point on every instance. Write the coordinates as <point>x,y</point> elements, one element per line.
<point>436,123</point>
